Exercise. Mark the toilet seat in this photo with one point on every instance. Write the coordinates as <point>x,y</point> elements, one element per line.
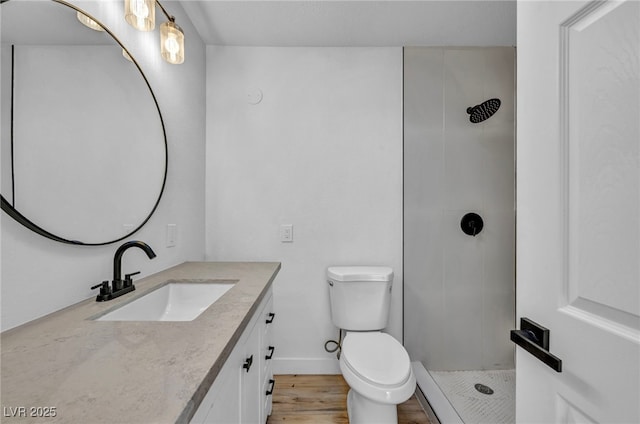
<point>377,366</point>
<point>377,358</point>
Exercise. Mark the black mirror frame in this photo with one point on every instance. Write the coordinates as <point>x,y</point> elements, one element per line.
<point>23,220</point>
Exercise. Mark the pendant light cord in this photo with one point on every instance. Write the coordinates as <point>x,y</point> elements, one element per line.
<point>170,17</point>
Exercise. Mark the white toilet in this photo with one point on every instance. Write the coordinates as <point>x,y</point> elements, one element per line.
<point>374,364</point>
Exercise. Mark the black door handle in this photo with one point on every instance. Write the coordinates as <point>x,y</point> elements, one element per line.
<point>534,338</point>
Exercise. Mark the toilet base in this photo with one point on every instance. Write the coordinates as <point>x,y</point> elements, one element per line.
<point>362,410</point>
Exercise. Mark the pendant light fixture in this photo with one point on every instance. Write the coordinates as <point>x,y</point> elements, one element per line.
<point>88,22</point>
<point>140,14</point>
<point>172,42</point>
<point>171,39</point>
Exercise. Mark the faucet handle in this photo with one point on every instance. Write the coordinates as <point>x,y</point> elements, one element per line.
<point>105,290</point>
<point>100,285</point>
<point>127,278</point>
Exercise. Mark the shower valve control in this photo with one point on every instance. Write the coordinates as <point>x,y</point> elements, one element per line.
<point>471,224</point>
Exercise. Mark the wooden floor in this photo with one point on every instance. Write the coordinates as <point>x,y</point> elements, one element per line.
<point>323,399</point>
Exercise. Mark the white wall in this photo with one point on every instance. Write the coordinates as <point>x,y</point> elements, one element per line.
<point>459,290</point>
<point>321,151</point>
<point>40,276</point>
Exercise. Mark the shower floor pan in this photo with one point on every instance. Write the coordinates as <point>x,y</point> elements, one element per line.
<point>473,406</point>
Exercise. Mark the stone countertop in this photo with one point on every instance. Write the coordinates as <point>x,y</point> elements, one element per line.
<point>87,371</point>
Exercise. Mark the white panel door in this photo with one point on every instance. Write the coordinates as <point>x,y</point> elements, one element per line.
<point>578,191</point>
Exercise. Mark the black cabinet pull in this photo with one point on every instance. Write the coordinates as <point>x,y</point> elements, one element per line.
<point>270,355</point>
<point>270,319</point>
<point>272,382</point>
<point>247,363</point>
<point>534,338</point>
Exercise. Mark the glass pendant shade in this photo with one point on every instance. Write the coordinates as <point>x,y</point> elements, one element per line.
<point>140,14</point>
<point>172,43</point>
<point>87,21</point>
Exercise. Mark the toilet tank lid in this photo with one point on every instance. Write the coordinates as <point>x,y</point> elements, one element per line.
<point>360,273</point>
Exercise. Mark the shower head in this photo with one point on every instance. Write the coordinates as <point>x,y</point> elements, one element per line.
<point>483,111</point>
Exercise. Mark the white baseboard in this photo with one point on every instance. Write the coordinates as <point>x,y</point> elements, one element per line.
<point>306,366</point>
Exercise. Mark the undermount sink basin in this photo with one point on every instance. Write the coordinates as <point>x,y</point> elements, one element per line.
<point>173,301</point>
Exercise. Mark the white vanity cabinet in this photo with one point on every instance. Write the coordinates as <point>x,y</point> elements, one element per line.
<point>242,391</point>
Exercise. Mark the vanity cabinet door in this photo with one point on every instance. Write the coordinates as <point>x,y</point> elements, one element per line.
<point>226,390</point>
<point>250,385</point>
<point>238,395</point>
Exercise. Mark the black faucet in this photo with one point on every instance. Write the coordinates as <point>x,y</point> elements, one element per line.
<point>119,286</point>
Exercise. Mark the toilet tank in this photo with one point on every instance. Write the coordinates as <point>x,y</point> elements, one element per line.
<point>360,296</point>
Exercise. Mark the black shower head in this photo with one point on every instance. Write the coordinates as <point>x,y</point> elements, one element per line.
<point>483,111</point>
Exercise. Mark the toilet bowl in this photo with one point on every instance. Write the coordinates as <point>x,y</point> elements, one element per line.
<point>378,371</point>
<point>374,364</point>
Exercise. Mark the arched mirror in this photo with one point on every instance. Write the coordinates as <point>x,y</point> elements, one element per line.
<point>84,149</point>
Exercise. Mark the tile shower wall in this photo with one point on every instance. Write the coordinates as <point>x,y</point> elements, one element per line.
<point>459,295</point>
